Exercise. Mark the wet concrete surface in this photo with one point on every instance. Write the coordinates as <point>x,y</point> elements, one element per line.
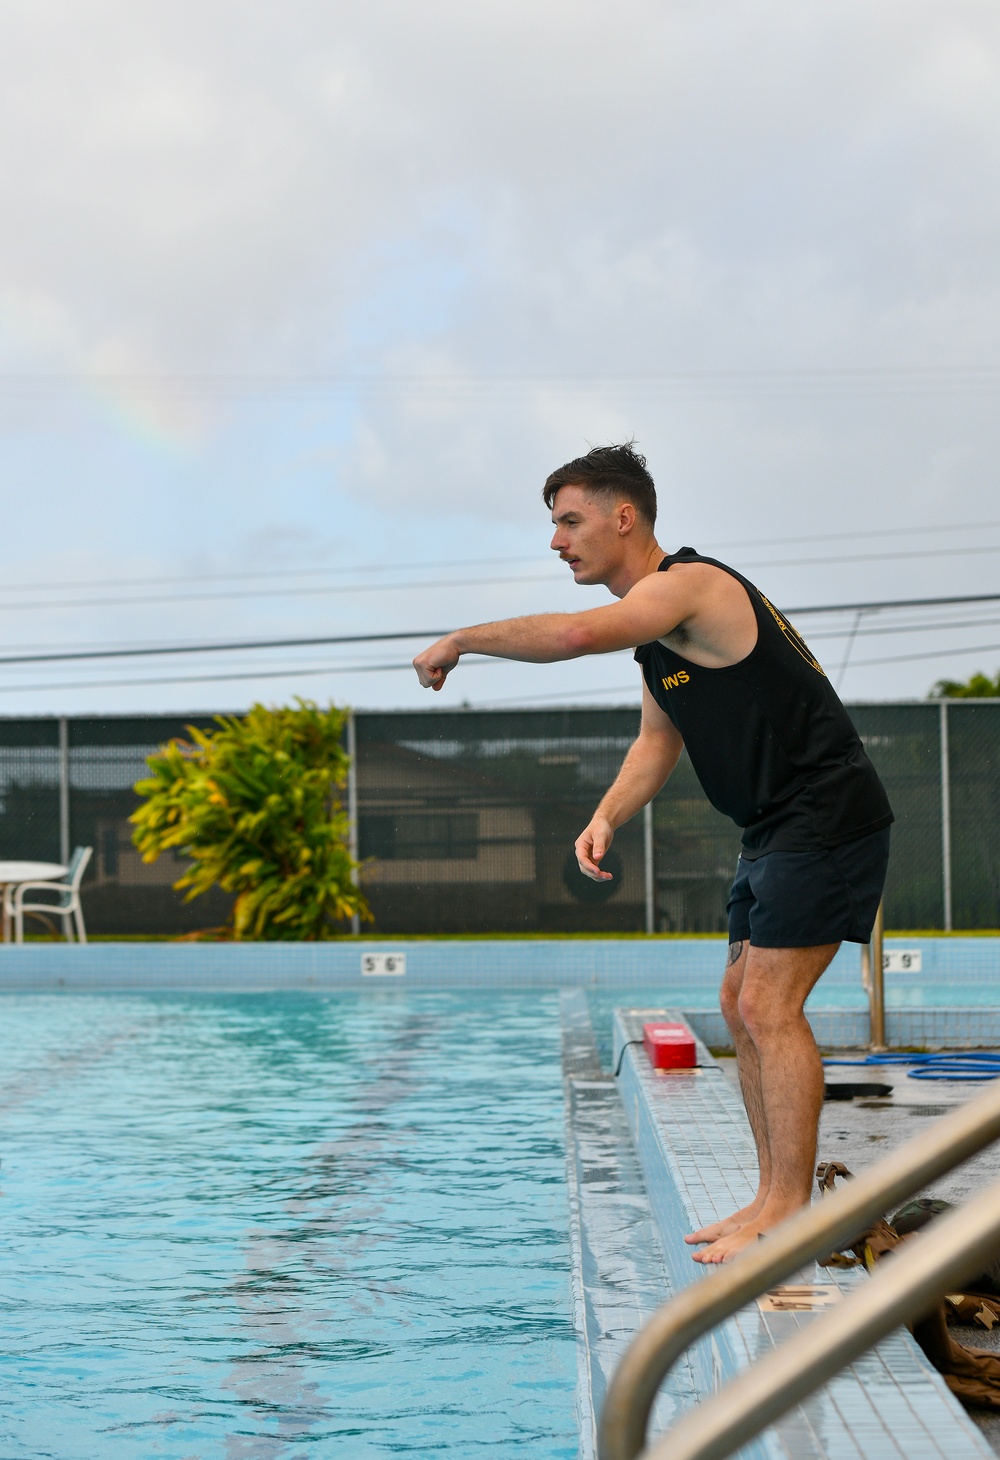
<point>861,1131</point>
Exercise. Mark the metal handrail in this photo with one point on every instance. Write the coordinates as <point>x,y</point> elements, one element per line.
<point>877,1004</point>
<point>812,1233</point>
<point>873,981</point>
<point>964,1243</point>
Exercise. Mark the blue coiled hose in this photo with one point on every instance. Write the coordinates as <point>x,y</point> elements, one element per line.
<point>974,1065</point>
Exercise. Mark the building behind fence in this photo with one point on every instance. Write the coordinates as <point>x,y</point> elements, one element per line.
<point>466,820</point>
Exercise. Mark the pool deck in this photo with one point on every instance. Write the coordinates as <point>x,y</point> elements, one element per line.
<point>697,1158</point>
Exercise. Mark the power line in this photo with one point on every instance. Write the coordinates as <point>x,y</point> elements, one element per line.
<point>872,557</point>
<point>303,572</point>
<point>630,688</point>
<point>321,591</point>
<point>891,603</point>
<point>310,670</point>
<point>238,645</point>
<point>265,573</point>
<point>317,592</point>
<point>928,626</point>
<point>864,533</point>
<point>224,648</point>
<point>468,662</point>
<point>930,654</point>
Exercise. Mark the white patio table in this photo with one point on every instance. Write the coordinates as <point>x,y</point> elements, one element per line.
<point>11,873</point>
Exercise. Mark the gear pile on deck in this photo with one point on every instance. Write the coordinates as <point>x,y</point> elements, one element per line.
<point>972,1374</point>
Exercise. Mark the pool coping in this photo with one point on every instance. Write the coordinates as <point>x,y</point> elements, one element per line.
<point>696,1152</point>
<point>619,1276</point>
<point>953,1007</point>
<point>688,968</point>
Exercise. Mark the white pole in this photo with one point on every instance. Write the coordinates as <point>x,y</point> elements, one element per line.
<point>63,790</point>
<point>650,870</point>
<point>352,803</point>
<point>945,817</point>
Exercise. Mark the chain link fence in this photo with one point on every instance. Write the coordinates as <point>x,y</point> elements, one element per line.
<point>469,819</point>
<point>973,876</point>
<point>466,821</point>
<point>66,783</point>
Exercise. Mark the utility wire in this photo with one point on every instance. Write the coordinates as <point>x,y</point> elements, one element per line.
<point>238,645</point>
<point>293,673</point>
<point>930,654</point>
<point>847,651</point>
<point>203,678</point>
<point>324,640</point>
<point>927,626</point>
<point>894,532</point>
<point>320,591</point>
<point>268,573</point>
<point>420,585</point>
<point>258,593</point>
<point>302,572</point>
<point>312,670</point>
<point>225,648</point>
<point>881,603</point>
<point>872,557</point>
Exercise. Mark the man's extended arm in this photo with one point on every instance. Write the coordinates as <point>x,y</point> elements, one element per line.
<point>648,611</point>
<point>647,765</point>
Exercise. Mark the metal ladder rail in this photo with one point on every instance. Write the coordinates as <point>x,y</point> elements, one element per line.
<point>964,1243</point>
<point>811,1234</point>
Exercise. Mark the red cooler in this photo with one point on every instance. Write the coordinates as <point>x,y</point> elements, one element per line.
<point>669,1046</point>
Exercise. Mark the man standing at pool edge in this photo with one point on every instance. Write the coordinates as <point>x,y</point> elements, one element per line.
<point>727,676</point>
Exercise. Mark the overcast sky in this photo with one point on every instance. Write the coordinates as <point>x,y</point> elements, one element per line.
<point>323,292</point>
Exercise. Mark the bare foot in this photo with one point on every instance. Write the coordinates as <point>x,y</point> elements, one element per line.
<point>726,1227</point>
<point>725,1248</point>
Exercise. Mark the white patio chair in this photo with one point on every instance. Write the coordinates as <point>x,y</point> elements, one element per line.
<point>68,906</point>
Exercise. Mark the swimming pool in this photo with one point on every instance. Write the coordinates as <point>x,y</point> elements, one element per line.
<point>273,1225</point>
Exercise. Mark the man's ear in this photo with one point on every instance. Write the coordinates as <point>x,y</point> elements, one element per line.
<point>626,518</point>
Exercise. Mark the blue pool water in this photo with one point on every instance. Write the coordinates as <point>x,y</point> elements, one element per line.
<point>284,1226</point>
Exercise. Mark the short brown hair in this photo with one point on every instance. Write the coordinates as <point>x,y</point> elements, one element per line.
<point>608,471</point>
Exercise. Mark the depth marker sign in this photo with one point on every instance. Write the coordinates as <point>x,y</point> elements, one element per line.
<point>383,965</point>
<point>902,960</point>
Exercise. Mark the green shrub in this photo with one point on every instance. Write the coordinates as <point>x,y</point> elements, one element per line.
<point>978,686</point>
<point>255,806</point>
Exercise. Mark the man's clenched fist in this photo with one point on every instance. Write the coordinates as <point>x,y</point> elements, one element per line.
<point>435,664</point>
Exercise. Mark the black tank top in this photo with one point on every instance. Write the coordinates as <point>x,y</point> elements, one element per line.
<point>769,739</point>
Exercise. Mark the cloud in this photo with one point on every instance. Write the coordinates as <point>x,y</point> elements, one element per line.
<point>489,210</point>
<point>210,187</point>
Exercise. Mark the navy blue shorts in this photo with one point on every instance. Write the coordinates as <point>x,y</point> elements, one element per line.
<point>803,899</point>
